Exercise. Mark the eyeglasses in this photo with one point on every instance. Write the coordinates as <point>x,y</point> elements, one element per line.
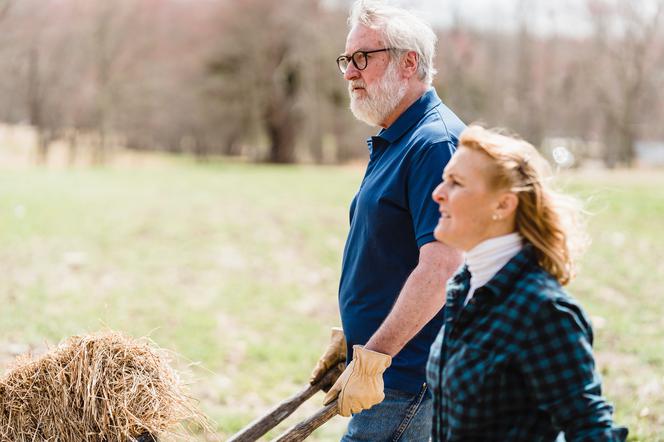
<point>359,59</point>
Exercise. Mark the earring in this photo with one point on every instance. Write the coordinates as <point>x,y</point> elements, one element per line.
<point>495,217</point>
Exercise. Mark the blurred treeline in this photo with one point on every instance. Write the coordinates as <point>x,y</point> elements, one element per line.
<point>257,78</point>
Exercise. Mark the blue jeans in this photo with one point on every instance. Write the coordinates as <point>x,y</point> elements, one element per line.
<point>402,416</point>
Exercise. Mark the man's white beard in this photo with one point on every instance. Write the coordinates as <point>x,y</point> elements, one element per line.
<point>381,98</point>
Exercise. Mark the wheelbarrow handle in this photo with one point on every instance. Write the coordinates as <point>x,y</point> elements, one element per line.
<point>276,415</point>
<point>302,430</point>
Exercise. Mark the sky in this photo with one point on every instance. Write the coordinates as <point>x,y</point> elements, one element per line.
<point>566,17</point>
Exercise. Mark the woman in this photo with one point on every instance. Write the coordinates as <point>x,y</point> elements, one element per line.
<point>513,361</point>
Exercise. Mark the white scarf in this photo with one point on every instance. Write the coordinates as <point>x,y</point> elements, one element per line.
<point>485,259</point>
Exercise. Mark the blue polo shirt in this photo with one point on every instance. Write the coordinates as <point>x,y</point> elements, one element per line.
<point>391,217</point>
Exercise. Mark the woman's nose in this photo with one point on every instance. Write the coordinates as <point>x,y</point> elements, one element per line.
<point>438,194</point>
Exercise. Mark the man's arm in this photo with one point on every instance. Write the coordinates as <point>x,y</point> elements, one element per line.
<point>422,296</point>
<point>360,386</point>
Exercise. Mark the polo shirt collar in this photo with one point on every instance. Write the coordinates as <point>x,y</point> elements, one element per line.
<point>410,116</point>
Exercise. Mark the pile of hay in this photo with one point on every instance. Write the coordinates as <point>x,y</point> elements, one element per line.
<point>105,387</point>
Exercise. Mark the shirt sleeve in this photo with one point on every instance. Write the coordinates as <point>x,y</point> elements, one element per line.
<point>424,175</point>
<point>558,365</point>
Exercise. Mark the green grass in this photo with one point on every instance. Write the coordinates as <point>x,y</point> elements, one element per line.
<point>620,284</point>
<point>235,267</point>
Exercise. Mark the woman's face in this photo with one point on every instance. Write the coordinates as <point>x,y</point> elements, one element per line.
<point>468,205</point>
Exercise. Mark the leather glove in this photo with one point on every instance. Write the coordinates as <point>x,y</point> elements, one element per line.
<point>360,386</point>
<point>334,354</point>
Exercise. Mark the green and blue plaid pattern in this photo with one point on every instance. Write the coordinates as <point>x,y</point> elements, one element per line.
<point>516,363</point>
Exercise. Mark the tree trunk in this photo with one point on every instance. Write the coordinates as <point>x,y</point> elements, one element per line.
<point>281,116</point>
<point>43,141</point>
<point>72,151</point>
<point>99,153</point>
<point>232,144</point>
<point>281,131</point>
<point>626,148</point>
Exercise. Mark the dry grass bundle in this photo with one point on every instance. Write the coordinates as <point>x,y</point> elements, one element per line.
<point>105,387</point>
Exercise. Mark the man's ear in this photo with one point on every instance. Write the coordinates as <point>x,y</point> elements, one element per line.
<point>409,63</point>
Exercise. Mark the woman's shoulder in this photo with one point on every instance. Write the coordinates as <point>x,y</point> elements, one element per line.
<point>548,301</point>
<point>540,285</point>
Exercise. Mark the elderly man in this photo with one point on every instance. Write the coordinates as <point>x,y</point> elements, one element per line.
<point>394,273</point>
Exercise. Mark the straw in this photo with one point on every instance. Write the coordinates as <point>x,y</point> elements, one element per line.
<point>104,387</point>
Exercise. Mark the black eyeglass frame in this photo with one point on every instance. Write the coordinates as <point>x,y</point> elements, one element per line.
<point>351,58</point>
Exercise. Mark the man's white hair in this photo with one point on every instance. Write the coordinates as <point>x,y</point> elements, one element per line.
<point>401,29</point>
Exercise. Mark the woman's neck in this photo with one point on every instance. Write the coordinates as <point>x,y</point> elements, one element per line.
<point>486,258</point>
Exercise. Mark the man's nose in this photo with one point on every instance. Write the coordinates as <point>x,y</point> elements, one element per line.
<point>352,73</point>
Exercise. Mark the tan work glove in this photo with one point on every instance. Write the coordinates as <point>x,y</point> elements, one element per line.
<point>360,386</point>
<point>335,353</point>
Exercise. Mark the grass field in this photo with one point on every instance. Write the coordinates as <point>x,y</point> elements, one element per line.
<point>235,268</point>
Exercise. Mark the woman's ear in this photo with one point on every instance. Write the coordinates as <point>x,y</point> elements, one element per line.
<point>507,204</point>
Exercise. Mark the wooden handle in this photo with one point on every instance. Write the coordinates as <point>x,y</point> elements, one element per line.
<point>272,418</point>
<point>302,430</point>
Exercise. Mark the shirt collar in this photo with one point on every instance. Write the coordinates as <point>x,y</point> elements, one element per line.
<point>459,283</point>
<point>376,144</point>
<point>428,101</point>
<point>503,281</point>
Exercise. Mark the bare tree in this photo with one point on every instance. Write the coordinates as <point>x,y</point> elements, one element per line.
<point>257,78</point>
<point>43,53</point>
<point>260,65</point>
<point>528,82</point>
<point>116,48</point>
<point>626,46</point>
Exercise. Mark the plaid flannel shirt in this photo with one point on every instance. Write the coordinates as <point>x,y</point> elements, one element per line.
<point>516,362</point>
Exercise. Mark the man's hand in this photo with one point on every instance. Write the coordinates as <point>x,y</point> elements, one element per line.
<point>360,386</point>
<point>335,353</point>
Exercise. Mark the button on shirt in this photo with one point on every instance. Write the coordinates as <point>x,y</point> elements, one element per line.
<point>515,363</point>
<point>391,217</point>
